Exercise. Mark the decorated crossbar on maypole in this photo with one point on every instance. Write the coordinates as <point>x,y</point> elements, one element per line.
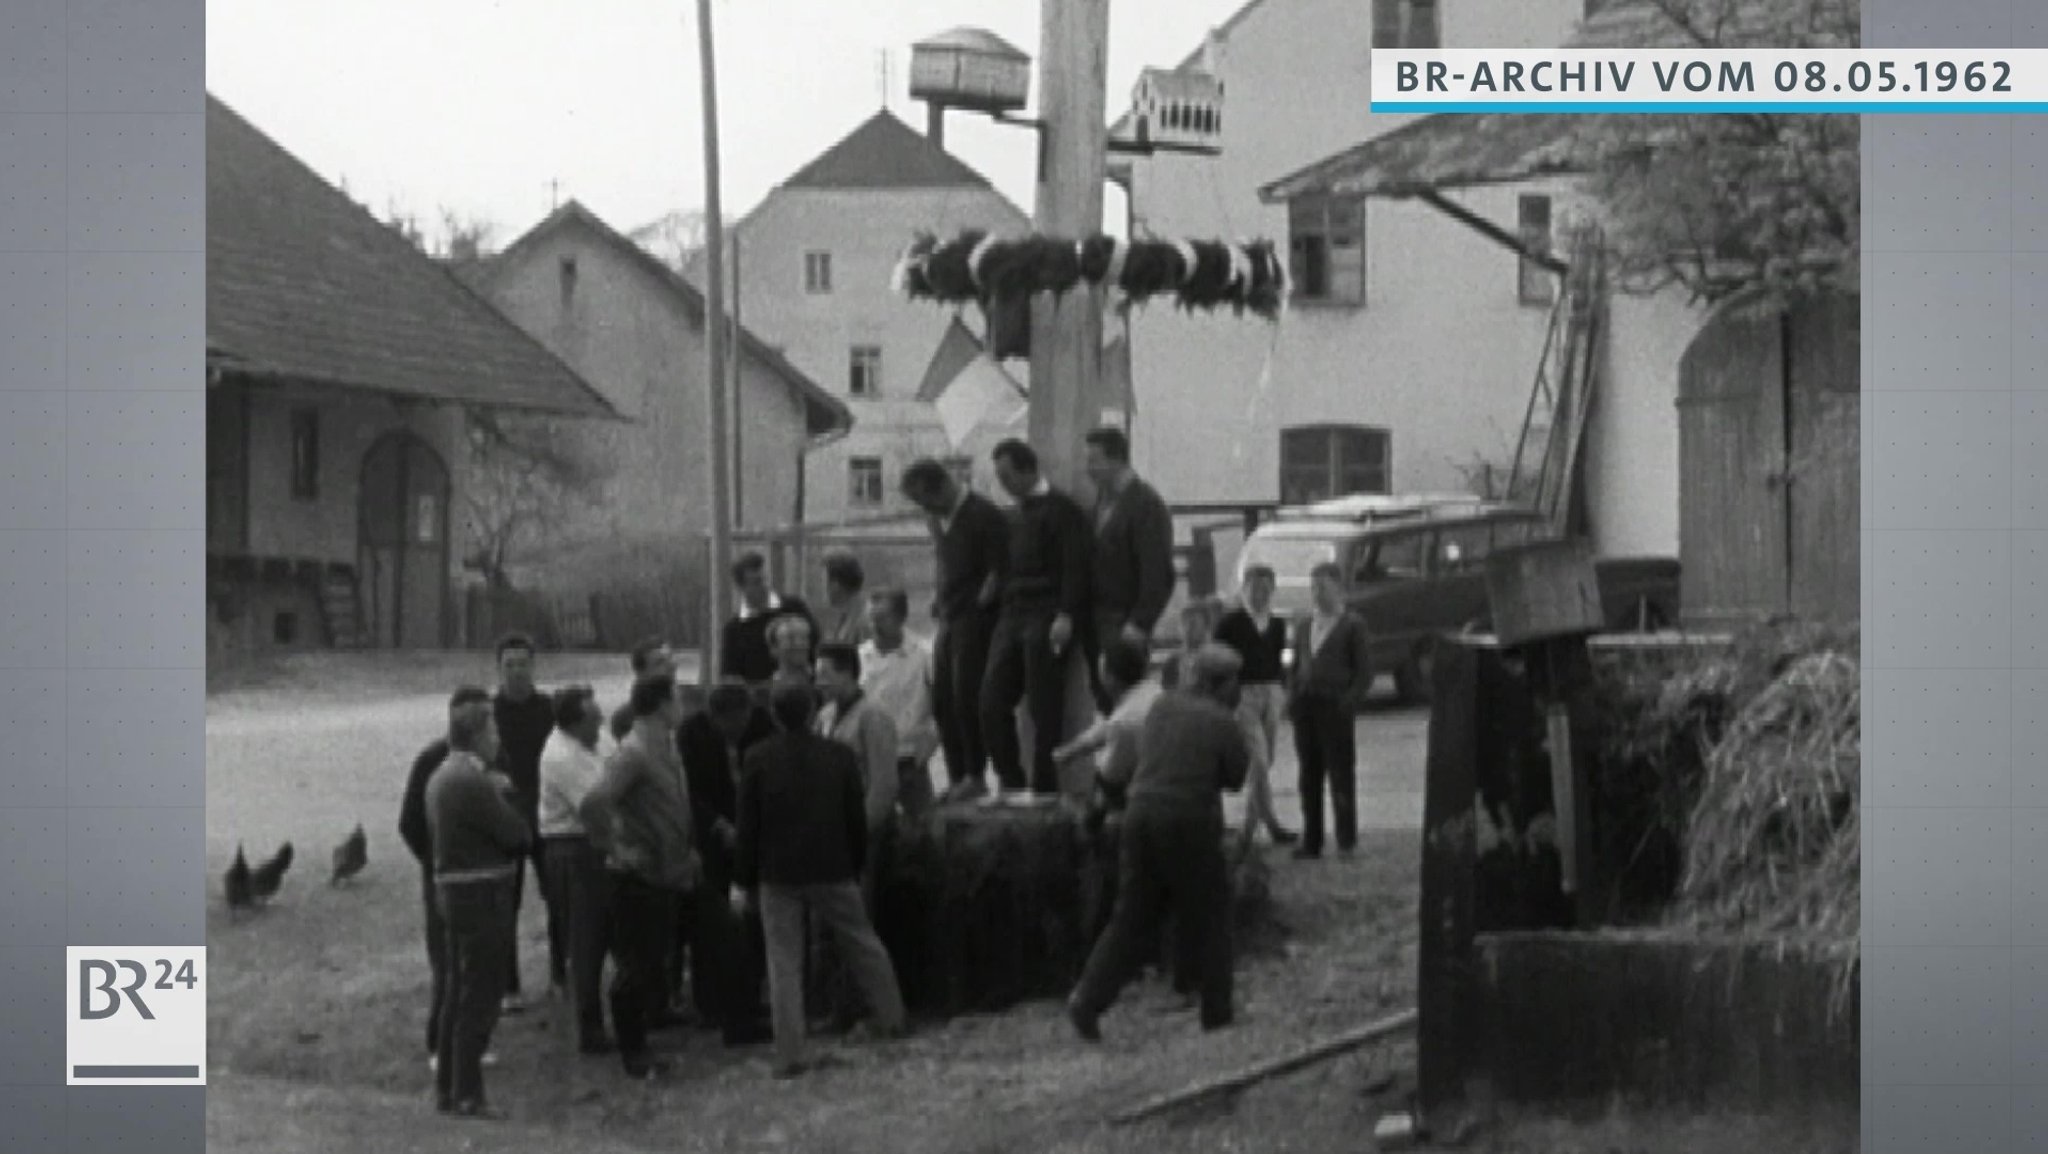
<point>977,267</point>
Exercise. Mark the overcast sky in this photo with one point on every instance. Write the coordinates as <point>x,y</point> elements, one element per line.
<point>477,105</point>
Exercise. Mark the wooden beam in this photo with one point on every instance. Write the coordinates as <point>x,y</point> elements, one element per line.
<point>1487,229</point>
<point>1272,1068</point>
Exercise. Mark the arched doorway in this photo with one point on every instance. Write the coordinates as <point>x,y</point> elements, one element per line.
<point>402,543</point>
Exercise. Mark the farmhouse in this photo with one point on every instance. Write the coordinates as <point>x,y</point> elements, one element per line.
<point>812,269</point>
<point>339,362</point>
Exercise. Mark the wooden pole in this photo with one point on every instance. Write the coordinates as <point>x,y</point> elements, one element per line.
<point>1273,1068</point>
<point>739,423</point>
<point>718,580</point>
<point>1066,333</point>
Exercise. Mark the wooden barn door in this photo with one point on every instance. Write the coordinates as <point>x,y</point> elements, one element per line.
<point>1824,374</point>
<point>1769,456</point>
<point>1732,526</point>
<point>403,551</point>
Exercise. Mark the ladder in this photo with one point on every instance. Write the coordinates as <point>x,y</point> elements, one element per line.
<point>341,607</point>
<point>1548,458</point>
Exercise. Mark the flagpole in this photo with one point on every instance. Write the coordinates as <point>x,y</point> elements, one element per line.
<point>718,577</point>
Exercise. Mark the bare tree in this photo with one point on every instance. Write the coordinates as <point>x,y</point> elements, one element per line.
<point>1721,204</point>
<point>529,476</point>
<point>676,238</point>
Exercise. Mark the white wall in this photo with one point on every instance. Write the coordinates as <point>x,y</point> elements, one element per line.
<point>1297,86</point>
<point>865,231</point>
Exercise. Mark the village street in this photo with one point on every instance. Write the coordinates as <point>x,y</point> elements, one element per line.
<point>318,998</point>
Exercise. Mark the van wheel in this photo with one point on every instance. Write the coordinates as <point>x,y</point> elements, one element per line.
<point>1413,679</point>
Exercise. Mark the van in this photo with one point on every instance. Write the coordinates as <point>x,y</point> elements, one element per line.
<point>1415,570</point>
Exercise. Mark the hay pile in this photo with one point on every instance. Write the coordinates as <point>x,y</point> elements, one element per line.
<point>1774,842</point>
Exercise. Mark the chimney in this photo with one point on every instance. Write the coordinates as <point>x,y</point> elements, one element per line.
<point>935,123</point>
<point>1212,53</point>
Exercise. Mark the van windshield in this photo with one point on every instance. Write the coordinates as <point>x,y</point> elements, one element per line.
<point>1291,559</point>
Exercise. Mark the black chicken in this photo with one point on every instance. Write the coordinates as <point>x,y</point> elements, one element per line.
<point>241,892</point>
<point>265,879</point>
<point>351,856</point>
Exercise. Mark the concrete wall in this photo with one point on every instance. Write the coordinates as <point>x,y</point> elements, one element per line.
<point>630,336</point>
<point>865,231</point>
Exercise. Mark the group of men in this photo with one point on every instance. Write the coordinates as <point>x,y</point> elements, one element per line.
<point>735,835</point>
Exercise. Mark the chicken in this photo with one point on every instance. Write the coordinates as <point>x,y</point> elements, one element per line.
<point>266,878</point>
<point>240,892</point>
<point>351,856</point>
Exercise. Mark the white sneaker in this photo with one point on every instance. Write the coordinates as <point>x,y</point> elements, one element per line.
<point>1033,799</point>
<point>434,1061</point>
<point>996,798</point>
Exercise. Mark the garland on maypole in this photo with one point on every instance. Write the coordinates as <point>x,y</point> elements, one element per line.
<point>1199,275</point>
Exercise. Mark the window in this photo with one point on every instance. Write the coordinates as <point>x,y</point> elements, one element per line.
<point>1326,249</point>
<point>1324,461</point>
<point>306,455</point>
<point>1399,557</point>
<point>1534,284</point>
<point>864,482</point>
<point>864,371</point>
<point>962,469</point>
<point>817,272</point>
<point>1406,24</point>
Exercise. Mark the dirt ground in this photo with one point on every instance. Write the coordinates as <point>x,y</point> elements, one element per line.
<point>315,1012</point>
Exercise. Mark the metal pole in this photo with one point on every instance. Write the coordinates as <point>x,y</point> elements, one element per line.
<point>739,422</point>
<point>718,579</point>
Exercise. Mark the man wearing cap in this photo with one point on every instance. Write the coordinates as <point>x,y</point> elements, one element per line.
<point>1171,858</point>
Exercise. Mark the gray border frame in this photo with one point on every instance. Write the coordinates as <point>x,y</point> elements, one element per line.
<point>101,540</point>
<point>102,442</point>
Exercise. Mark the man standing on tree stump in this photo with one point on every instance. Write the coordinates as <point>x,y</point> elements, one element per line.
<point>1171,852</point>
<point>1045,607</point>
<point>973,537</point>
<point>1133,574</point>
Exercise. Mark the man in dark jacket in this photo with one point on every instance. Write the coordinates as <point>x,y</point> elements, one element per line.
<point>1045,608</point>
<point>728,958</point>
<point>1332,672</point>
<point>973,536</point>
<point>418,837</point>
<point>802,844</point>
<point>1133,571</point>
<point>1170,859</point>
<point>743,646</point>
<point>526,719</point>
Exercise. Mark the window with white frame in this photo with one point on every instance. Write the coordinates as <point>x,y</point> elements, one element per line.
<point>864,482</point>
<point>817,272</point>
<point>1406,24</point>
<point>1326,249</point>
<point>1534,284</point>
<point>864,371</point>
<point>1319,462</point>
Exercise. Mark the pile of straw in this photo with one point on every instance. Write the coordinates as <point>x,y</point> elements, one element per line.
<point>1773,847</point>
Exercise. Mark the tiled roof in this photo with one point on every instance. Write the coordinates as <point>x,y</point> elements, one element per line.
<point>826,416</point>
<point>884,152</point>
<point>1449,150</point>
<point>303,284</point>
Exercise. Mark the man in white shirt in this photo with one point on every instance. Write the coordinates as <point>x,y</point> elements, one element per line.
<point>576,878</point>
<point>896,674</point>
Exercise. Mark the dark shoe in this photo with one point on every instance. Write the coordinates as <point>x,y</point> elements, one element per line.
<point>1084,1023</point>
<point>476,1109</point>
<point>1211,1025</point>
<point>1308,853</point>
<point>596,1046</point>
<point>1347,850</point>
<point>749,1034</point>
<point>644,1066</point>
<point>1283,836</point>
<point>784,1071</point>
<point>869,1032</point>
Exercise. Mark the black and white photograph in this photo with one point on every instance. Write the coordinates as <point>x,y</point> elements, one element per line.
<point>1024,575</point>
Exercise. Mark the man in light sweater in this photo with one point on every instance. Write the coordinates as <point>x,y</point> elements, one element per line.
<point>638,816</point>
<point>569,767</point>
<point>896,674</point>
<point>480,839</point>
<point>1171,857</point>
